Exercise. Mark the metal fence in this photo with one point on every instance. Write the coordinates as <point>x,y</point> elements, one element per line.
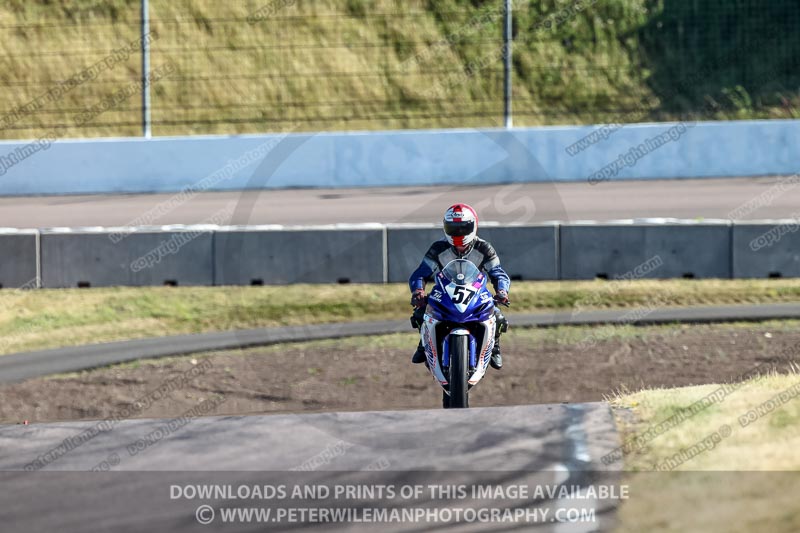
<point>78,68</point>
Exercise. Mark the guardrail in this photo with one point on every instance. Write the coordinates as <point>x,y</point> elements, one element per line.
<point>375,253</point>
<point>428,157</point>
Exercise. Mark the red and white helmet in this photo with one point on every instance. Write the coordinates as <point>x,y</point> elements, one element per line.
<point>460,224</point>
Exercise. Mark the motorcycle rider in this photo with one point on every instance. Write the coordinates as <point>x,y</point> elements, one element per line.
<point>461,242</point>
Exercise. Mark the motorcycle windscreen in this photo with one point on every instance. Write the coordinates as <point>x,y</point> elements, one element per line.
<point>463,281</point>
<point>462,272</point>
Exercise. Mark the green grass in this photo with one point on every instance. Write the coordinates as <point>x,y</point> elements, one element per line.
<point>376,64</point>
<point>39,319</point>
<point>768,443</point>
<point>744,482</point>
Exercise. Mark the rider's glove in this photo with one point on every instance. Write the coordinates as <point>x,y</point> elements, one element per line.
<point>418,298</point>
<point>502,298</point>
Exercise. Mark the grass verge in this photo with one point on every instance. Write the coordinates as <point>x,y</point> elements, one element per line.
<point>730,466</point>
<point>753,425</point>
<point>31,320</point>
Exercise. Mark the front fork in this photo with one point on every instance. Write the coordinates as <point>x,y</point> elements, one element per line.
<point>480,355</point>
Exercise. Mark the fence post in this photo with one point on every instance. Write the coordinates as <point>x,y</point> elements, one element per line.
<point>507,30</point>
<point>146,127</point>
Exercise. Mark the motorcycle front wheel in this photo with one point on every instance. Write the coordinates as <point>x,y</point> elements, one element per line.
<point>458,375</point>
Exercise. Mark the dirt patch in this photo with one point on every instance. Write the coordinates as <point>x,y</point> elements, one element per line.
<point>361,374</point>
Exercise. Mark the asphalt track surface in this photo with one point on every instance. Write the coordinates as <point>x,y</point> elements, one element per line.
<point>18,367</point>
<point>49,485</point>
<point>512,203</point>
<point>544,445</point>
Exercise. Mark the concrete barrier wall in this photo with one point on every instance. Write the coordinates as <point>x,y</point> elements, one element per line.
<point>645,251</point>
<point>358,159</point>
<point>375,254</point>
<point>405,249</point>
<point>766,250</point>
<point>19,252</point>
<point>72,259</point>
<point>526,252</point>
<point>253,257</point>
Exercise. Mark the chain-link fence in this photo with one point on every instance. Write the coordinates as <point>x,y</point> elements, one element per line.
<point>74,68</point>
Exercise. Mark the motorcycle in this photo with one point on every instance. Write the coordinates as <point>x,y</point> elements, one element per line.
<point>458,330</point>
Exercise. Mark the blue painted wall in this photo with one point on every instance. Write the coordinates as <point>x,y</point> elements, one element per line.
<point>354,159</point>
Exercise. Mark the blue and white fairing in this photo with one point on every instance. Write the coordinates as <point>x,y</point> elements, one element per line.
<point>460,294</point>
<point>460,300</point>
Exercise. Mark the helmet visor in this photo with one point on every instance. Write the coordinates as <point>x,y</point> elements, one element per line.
<point>459,229</point>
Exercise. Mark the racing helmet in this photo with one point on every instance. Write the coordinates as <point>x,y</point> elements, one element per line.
<point>460,224</point>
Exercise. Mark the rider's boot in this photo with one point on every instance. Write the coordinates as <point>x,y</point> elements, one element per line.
<point>419,355</point>
<point>497,359</point>
<point>502,326</point>
<point>416,322</point>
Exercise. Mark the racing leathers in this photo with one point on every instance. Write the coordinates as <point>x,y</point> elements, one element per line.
<point>481,254</point>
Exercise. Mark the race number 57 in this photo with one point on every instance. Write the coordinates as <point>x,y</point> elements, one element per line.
<point>462,295</point>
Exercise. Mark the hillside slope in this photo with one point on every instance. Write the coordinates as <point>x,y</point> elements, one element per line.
<point>248,66</point>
